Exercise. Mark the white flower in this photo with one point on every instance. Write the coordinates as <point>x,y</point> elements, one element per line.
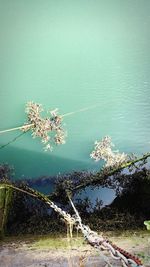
<point>43,127</point>
<point>103,150</point>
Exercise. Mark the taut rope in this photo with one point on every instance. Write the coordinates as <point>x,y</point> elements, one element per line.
<point>102,243</point>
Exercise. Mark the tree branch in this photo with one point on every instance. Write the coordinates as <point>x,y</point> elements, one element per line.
<point>96,178</point>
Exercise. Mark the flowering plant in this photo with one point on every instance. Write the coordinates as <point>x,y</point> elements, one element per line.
<point>103,150</point>
<point>43,127</point>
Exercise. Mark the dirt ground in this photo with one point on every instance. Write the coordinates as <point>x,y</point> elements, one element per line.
<point>26,253</point>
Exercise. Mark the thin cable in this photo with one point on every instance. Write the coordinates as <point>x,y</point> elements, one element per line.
<point>80,110</point>
<point>13,140</point>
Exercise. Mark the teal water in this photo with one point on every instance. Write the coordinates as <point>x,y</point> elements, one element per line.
<point>70,55</point>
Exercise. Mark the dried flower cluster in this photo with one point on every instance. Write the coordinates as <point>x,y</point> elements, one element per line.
<point>103,150</point>
<point>43,127</point>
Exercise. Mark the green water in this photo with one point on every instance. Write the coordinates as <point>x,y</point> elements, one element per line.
<point>74,54</point>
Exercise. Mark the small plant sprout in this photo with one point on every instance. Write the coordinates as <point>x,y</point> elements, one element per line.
<point>103,151</point>
<point>147,224</point>
<point>49,129</point>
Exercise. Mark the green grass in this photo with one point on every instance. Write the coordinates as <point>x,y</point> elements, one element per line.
<point>57,243</point>
<point>44,241</point>
<point>134,238</point>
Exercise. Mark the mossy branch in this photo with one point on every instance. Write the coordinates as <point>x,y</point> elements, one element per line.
<point>34,193</point>
<point>29,191</point>
<point>96,178</point>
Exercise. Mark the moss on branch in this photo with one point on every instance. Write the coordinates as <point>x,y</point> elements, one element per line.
<point>97,178</point>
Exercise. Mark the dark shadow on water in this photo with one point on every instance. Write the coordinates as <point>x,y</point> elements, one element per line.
<point>34,164</point>
<point>31,164</point>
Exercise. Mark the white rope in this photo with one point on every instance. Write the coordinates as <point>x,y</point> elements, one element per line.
<point>99,241</point>
<point>80,110</point>
<point>23,127</point>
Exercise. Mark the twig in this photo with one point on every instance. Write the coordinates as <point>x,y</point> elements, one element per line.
<point>13,140</point>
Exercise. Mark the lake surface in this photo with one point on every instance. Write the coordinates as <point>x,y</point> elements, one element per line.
<point>72,55</point>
